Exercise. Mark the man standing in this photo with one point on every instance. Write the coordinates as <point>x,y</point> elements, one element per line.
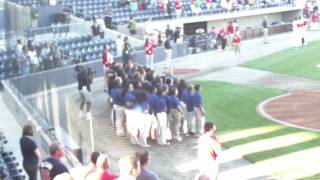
<point>30,152</point>
<point>265,30</point>
<point>208,150</point>
<point>148,47</point>
<point>198,110</point>
<point>52,166</point>
<point>168,50</point>
<point>84,77</point>
<point>107,60</point>
<point>144,162</point>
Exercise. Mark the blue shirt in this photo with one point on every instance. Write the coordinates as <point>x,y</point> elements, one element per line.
<point>159,104</point>
<point>147,175</point>
<point>184,95</point>
<point>197,99</point>
<point>129,97</point>
<point>151,97</point>
<point>174,102</point>
<point>141,107</point>
<point>115,95</point>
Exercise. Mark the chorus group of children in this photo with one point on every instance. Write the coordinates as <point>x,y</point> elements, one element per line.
<point>147,105</point>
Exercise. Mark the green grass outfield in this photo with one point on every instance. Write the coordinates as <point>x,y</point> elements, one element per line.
<point>233,109</point>
<point>297,62</point>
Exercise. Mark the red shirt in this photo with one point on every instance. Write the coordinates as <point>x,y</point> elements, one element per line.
<point>148,48</point>
<point>178,4</point>
<point>106,59</point>
<point>230,29</point>
<point>107,175</point>
<point>236,38</point>
<point>223,33</point>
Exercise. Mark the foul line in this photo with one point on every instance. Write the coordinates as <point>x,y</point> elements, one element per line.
<point>261,111</point>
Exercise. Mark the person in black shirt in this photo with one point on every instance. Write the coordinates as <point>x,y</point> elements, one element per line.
<point>168,48</point>
<point>52,166</point>
<point>30,152</point>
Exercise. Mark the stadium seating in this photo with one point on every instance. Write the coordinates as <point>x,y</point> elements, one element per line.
<point>9,168</point>
<point>82,47</point>
<point>94,8</point>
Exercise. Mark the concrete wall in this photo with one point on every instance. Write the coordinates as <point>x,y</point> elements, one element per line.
<point>47,15</point>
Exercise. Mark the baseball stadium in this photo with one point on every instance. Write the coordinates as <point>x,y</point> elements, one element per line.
<point>159,89</point>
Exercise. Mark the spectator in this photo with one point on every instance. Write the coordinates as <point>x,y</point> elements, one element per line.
<point>223,34</point>
<point>129,168</point>
<point>236,43</point>
<point>84,78</point>
<point>119,44</point>
<point>103,164</point>
<point>108,17</point>
<point>169,32</point>
<point>95,29</point>
<point>34,60</point>
<point>178,8</point>
<point>169,9</point>
<point>230,32</point>
<point>102,26</point>
<point>176,34</point>
<point>148,47</point>
<point>92,167</point>
<point>126,52</point>
<point>107,60</point>
<point>208,150</point>
<point>52,166</point>
<point>56,55</point>
<point>213,37</point>
<point>144,163</point>
<point>24,61</point>
<point>265,30</point>
<point>168,50</point>
<point>102,170</point>
<point>34,13</point>
<point>30,153</point>
<point>133,6</point>
<point>45,56</point>
<point>195,7</point>
<point>132,26</point>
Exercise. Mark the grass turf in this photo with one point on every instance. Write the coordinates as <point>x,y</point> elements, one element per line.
<point>300,62</point>
<point>233,109</point>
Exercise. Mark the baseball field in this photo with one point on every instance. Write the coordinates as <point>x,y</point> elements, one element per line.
<point>286,152</point>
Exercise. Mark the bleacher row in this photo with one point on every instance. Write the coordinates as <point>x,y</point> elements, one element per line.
<point>9,167</point>
<point>81,47</point>
<point>93,8</point>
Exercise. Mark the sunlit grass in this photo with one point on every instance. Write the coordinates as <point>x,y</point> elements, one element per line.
<point>286,152</point>
<point>300,62</point>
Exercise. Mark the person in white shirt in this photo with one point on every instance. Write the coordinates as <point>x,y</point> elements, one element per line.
<point>34,60</point>
<point>208,150</point>
<point>129,167</point>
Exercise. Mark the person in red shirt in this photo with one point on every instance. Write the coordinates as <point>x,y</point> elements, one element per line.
<point>107,61</point>
<point>209,149</point>
<point>230,31</point>
<point>178,8</point>
<point>148,47</point>
<point>223,37</point>
<point>236,42</point>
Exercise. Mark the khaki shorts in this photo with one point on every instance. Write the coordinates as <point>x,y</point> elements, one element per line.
<point>85,96</point>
